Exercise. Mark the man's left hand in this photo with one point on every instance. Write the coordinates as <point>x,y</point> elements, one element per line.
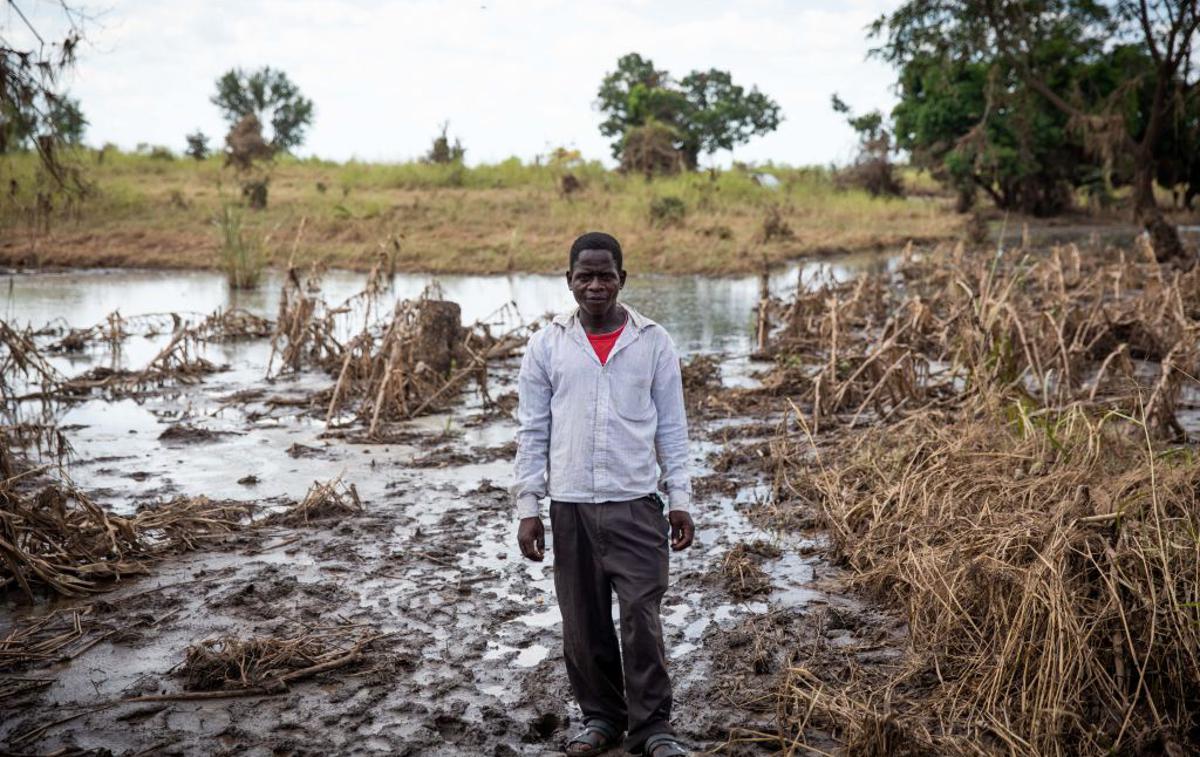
<point>682,530</point>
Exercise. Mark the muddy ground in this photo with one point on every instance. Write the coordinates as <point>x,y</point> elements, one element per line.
<point>465,656</point>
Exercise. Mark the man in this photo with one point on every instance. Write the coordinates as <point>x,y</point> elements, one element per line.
<point>600,400</point>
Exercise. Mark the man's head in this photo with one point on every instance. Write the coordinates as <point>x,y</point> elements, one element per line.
<point>595,274</point>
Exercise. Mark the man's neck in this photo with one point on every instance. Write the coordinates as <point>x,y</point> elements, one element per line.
<point>611,320</point>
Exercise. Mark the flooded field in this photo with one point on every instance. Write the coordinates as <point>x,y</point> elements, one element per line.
<point>462,634</point>
<point>285,527</point>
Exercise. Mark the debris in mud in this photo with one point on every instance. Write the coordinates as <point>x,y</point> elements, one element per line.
<point>249,480</point>
<point>183,433</point>
<point>714,485</point>
<point>60,540</point>
<point>741,570</point>
<point>22,358</point>
<point>267,663</point>
<point>506,451</point>
<point>442,457</point>
<point>299,450</point>
<point>324,500</point>
<point>394,368</point>
<point>235,324</point>
<point>43,640</point>
<point>701,372</point>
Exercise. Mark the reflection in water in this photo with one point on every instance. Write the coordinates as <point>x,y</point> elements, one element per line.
<point>702,313</point>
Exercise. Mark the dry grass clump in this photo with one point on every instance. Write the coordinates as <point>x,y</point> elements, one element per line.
<point>1049,575</point>
<point>263,664</point>
<point>235,324</point>
<point>20,357</point>
<point>1021,495</point>
<point>60,540</point>
<point>701,372</point>
<point>43,639</point>
<point>956,325</point>
<point>741,570</point>
<point>23,362</point>
<point>305,328</point>
<point>331,499</point>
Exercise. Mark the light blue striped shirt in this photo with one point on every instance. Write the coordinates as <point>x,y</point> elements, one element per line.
<point>594,433</point>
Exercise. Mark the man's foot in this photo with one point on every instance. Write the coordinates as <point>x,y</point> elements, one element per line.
<point>664,745</point>
<point>597,736</point>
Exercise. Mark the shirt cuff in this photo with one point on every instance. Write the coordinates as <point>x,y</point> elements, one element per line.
<point>681,501</point>
<point>528,506</point>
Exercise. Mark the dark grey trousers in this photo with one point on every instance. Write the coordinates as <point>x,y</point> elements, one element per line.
<point>599,548</point>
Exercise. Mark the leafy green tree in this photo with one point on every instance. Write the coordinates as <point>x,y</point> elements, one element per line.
<point>706,109</point>
<point>975,129</point>
<point>1025,42</point>
<point>271,97</point>
<point>623,97</point>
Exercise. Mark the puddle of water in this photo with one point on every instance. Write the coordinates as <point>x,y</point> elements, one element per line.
<point>531,656</point>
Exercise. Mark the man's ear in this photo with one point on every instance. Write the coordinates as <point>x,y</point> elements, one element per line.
<point>568,275</point>
<point>622,279</point>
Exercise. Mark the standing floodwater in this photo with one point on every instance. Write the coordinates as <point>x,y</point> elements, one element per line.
<point>470,631</point>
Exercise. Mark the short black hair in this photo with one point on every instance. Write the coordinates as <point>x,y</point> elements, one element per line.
<point>596,240</point>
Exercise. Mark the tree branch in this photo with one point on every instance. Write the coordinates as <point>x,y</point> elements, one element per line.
<point>1144,18</point>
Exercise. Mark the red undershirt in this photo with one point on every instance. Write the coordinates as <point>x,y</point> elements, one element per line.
<point>603,343</point>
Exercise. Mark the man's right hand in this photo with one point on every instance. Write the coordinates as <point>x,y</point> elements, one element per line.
<point>531,535</point>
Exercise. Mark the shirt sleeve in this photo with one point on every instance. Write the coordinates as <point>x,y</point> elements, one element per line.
<point>533,434</point>
<point>671,438</point>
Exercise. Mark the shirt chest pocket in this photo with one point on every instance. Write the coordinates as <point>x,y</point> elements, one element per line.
<point>629,389</point>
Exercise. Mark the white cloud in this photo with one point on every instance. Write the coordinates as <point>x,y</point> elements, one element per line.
<point>513,77</point>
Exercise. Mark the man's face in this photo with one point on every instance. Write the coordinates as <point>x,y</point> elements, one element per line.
<point>595,281</point>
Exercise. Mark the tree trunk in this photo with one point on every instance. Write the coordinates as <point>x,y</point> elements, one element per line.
<point>1164,237</point>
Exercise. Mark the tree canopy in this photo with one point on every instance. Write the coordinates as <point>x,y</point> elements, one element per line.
<point>1027,98</point>
<point>705,111</point>
<point>271,97</point>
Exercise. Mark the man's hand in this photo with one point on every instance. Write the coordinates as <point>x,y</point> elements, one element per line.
<point>531,535</point>
<point>682,529</point>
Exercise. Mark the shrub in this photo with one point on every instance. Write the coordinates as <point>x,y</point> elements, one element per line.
<point>667,211</point>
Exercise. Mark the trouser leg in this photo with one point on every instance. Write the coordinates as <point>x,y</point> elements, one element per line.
<point>585,599</point>
<point>636,562</point>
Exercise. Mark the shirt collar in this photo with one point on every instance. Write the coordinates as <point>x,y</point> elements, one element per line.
<point>639,321</point>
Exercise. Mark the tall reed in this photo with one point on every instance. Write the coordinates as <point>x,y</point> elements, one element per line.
<point>240,254</point>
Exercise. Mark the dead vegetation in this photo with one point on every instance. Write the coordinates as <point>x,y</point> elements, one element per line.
<point>994,444</point>
<point>60,540</point>
<point>265,664</point>
<point>331,499</point>
<point>413,362</point>
<point>741,569</point>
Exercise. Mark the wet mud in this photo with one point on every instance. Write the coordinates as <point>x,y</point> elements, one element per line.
<point>455,638</point>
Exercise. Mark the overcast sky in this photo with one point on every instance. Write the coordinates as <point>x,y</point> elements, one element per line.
<point>513,77</point>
